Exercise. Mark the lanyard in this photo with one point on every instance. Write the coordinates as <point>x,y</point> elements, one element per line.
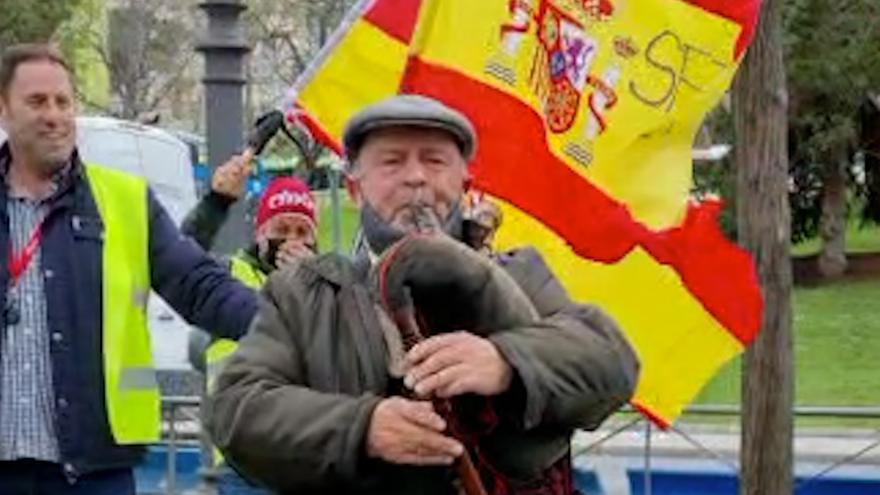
<point>19,261</point>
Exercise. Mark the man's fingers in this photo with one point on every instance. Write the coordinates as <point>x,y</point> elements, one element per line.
<point>241,170</point>
<point>238,165</point>
<point>432,345</point>
<point>245,164</point>
<point>403,431</point>
<point>463,384</point>
<point>223,174</point>
<point>417,460</point>
<point>229,178</point>
<point>422,414</point>
<point>431,444</point>
<point>448,379</point>
<point>427,439</point>
<point>435,363</point>
<point>231,164</point>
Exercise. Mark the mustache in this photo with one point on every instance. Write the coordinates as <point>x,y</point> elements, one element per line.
<point>423,217</point>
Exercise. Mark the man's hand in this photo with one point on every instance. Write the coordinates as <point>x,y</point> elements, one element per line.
<point>458,363</point>
<point>402,431</point>
<point>230,178</point>
<point>292,252</point>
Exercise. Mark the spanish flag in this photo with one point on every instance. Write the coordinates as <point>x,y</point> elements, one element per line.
<point>363,63</point>
<point>586,112</point>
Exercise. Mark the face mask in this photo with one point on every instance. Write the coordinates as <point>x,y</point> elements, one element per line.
<point>270,257</point>
<point>380,235</point>
<point>273,245</point>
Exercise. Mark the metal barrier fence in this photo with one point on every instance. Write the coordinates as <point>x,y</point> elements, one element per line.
<point>184,410</point>
<point>848,413</point>
<point>174,411</point>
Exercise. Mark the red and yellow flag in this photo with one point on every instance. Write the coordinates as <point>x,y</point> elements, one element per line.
<point>363,64</point>
<point>586,112</point>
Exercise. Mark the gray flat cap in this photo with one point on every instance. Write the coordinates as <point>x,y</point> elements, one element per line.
<point>409,110</point>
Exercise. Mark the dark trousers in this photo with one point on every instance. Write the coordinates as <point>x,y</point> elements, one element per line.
<point>45,478</point>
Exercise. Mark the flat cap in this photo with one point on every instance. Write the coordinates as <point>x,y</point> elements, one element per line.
<point>409,111</point>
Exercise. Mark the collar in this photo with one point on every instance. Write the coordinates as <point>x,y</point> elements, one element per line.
<point>61,181</point>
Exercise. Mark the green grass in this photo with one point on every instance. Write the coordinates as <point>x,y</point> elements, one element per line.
<point>858,240</point>
<point>837,344</point>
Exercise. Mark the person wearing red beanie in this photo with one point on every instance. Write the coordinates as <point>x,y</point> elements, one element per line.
<point>285,232</point>
<point>286,222</point>
<point>285,226</point>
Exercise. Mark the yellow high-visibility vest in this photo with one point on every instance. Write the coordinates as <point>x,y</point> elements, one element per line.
<point>130,386</point>
<point>220,350</point>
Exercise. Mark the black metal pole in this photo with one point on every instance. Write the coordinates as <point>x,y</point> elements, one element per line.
<point>224,50</point>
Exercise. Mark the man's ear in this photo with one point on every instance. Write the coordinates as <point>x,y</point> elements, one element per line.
<point>354,189</point>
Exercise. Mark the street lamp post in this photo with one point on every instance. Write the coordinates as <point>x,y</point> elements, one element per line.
<point>224,50</point>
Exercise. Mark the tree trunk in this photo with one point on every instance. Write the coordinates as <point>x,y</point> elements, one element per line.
<point>832,225</point>
<point>760,104</point>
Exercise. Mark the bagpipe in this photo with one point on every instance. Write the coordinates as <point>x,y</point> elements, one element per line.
<point>429,284</point>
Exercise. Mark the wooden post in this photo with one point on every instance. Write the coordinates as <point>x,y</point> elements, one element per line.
<point>764,224</point>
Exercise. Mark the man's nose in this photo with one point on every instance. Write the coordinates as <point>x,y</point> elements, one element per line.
<point>53,113</point>
<point>415,173</point>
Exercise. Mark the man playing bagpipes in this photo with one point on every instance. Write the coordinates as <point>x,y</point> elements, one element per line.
<point>421,366</point>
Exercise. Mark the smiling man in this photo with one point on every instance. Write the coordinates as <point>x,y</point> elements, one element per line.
<point>318,399</point>
<point>82,245</point>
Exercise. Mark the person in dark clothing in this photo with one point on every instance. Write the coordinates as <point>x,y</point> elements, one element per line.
<point>311,402</point>
<point>81,246</point>
<point>286,230</point>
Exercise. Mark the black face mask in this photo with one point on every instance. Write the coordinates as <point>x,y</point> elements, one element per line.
<point>270,257</point>
<point>380,235</point>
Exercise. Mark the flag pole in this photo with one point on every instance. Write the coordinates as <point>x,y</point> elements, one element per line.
<point>356,12</point>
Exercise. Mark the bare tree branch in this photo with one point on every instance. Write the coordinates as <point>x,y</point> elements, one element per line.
<point>169,85</point>
<point>287,39</point>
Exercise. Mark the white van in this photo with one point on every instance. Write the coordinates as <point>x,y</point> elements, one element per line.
<point>163,159</point>
<point>166,162</point>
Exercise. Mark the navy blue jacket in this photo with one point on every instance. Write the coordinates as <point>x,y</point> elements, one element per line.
<point>196,286</point>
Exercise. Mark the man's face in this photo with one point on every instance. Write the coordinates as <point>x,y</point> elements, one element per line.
<point>400,168</point>
<point>38,113</point>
